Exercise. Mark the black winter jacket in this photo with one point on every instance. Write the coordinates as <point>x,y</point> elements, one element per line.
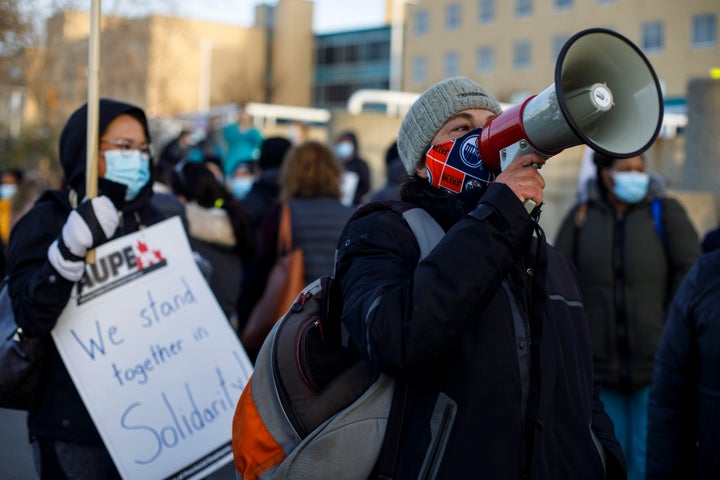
<point>630,276</point>
<point>39,294</point>
<point>684,405</point>
<point>489,333</point>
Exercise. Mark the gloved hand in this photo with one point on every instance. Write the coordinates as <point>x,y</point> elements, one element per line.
<point>91,224</point>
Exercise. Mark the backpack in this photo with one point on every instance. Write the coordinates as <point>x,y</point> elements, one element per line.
<point>21,359</point>
<point>314,407</point>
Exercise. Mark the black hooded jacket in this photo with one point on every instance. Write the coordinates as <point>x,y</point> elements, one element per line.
<point>39,294</point>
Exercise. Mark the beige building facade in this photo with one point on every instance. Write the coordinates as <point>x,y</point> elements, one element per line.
<point>173,65</point>
<point>511,46</point>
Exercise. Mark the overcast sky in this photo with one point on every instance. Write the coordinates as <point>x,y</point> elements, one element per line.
<point>329,15</point>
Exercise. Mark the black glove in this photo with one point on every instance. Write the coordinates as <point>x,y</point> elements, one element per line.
<point>90,225</point>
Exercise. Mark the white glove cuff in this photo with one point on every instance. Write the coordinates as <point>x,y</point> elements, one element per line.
<point>68,269</point>
<point>76,234</point>
<point>106,214</point>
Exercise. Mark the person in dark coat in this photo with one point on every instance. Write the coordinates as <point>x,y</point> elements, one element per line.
<point>631,262</point>
<point>394,173</point>
<point>346,150</point>
<point>266,189</point>
<point>46,257</point>
<point>683,419</point>
<point>220,229</point>
<point>711,240</point>
<point>488,332</point>
<point>310,184</point>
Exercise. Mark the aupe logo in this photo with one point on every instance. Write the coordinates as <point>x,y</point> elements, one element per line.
<point>118,268</point>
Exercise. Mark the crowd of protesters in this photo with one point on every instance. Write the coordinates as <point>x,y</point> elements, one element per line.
<point>228,195</point>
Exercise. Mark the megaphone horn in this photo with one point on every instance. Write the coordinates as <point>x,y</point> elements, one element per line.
<point>606,95</point>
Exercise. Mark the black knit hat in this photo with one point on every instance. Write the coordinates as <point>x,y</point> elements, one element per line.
<point>272,152</point>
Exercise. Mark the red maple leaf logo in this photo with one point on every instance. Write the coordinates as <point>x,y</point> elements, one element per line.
<point>146,257</point>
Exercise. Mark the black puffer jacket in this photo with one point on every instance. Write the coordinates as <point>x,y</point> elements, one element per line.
<point>461,327</point>
<point>39,294</point>
<point>630,276</point>
<point>684,405</point>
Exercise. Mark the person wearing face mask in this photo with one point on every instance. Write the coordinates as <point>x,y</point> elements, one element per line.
<point>486,334</point>
<point>346,150</point>
<point>220,229</point>
<point>242,179</point>
<point>631,261</point>
<point>46,257</point>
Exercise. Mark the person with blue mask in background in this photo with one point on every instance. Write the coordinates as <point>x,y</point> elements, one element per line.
<point>242,179</point>
<point>632,246</point>
<point>46,257</point>
<point>346,150</point>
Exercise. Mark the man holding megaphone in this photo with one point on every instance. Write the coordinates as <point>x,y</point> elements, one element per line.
<point>488,331</point>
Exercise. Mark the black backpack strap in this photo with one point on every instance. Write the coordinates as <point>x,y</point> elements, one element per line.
<point>426,230</point>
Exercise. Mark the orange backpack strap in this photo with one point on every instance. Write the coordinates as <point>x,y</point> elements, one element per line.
<point>255,457</point>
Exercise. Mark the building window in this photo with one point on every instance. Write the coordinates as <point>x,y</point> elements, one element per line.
<point>419,69</point>
<point>558,41</point>
<point>652,37</point>
<point>485,60</point>
<point>451,64</point>
<point>487,11</point>
<point>377,51</point>
<point>325,56</point>
<point>563,4</point>
<point>351,54</point>
<point>452,16</point>
<point>422,23</point>
<point>523,8</point>
<point>704,30</point>
<point>521,55</point>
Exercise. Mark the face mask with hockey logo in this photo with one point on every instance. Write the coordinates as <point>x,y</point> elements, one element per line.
<point>456,166</point>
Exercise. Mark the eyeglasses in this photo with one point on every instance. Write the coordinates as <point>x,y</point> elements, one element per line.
<point>125,145</point>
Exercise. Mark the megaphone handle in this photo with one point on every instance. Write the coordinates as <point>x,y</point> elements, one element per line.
<point>530,205</point>
<point>511,152</point>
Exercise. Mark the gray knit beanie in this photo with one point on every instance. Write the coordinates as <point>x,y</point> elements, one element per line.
<point>432,109</point>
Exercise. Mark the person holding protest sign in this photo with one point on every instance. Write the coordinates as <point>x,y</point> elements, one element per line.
<point>46,258</point>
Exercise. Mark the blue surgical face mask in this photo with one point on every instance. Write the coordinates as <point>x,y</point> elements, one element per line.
<point>630,187</point>
<point>344,150</point>
<point>8,190</point>
<point>241,186</point>
<point>128,167</point>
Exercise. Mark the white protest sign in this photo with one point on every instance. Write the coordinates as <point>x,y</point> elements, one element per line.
<point>153,356</point>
